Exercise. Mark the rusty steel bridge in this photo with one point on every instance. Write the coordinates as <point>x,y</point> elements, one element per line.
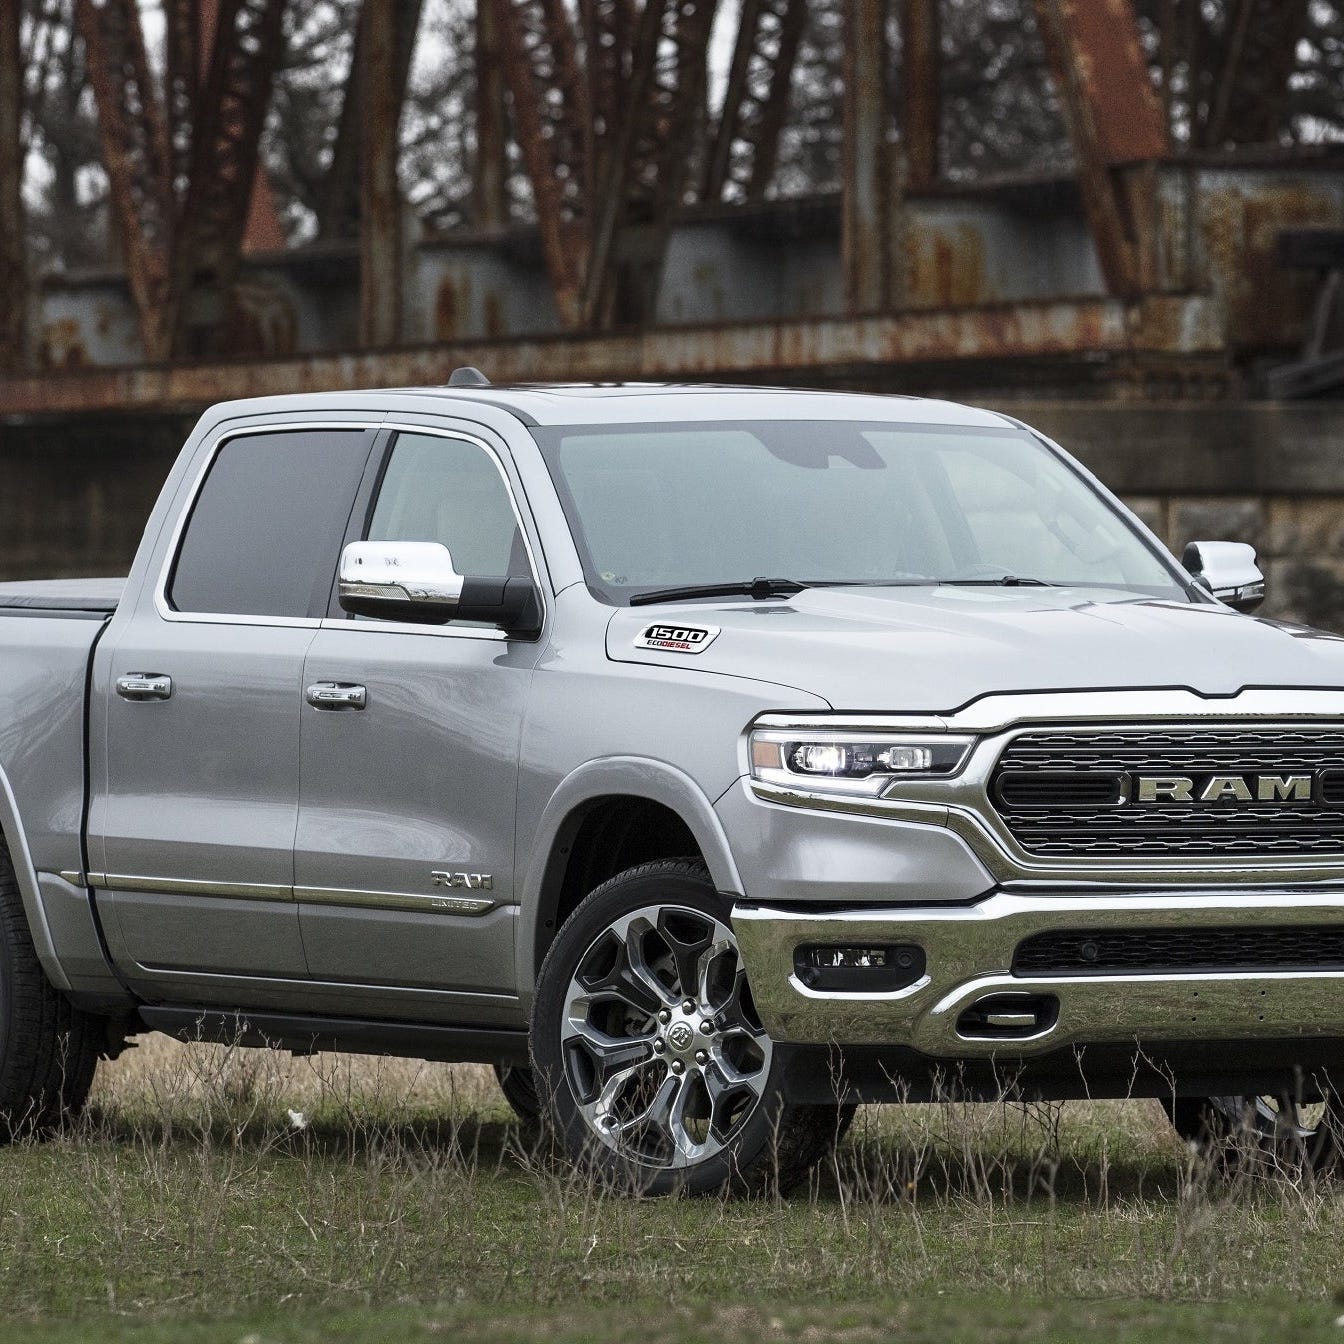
<point>1153,271</point>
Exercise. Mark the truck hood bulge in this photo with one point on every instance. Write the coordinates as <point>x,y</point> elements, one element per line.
<point>935,650</point>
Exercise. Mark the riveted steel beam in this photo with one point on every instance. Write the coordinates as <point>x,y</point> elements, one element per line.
<point>745,147</point>
<point>230,112</point>
<point>380,234</point>
<point>649,166</point>
<point>866,205</point>
<point>136,157</point>
<point>1069,329</point>
<point>551,119</point>
<point>339,209</point>
<point>1115,120</point>
<point>490,165</point>
<point>1250,104</point>
<point>182,82</point>
<point>922,67</point>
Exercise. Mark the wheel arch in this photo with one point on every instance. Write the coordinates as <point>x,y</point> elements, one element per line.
<point>583,796</point>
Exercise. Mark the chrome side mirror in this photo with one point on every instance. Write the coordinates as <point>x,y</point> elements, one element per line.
<point>416,581</point>
<point>1227,569</point>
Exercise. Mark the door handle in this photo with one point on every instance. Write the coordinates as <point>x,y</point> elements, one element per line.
<point>144,686</point>
<point>336,695</point>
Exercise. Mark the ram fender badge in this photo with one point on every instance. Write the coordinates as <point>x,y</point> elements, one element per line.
<point>474,881</point>
<point>677,638</point>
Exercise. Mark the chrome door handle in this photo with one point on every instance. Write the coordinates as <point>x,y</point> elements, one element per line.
<point>335,695</point>
<point>144,686</point>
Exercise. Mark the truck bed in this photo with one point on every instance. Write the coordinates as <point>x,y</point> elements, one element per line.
<point>73,597</point>
<point>47,629</point>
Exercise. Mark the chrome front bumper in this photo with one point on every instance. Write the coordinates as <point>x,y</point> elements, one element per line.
<point>969,957</point>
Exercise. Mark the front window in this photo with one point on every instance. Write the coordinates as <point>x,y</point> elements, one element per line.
<point>839,502</point>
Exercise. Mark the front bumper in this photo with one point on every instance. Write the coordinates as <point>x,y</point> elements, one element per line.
<point>969,951</point>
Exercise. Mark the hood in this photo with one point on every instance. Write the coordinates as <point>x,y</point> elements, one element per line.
<point>935,650</point>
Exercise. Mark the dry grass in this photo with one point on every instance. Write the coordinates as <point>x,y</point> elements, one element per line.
<point>161,1073</point>
<point>214,1192</point>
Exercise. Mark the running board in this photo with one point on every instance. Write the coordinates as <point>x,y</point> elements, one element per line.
<point>305,1035</point>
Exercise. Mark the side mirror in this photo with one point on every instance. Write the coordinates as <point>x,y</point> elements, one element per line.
<point>1227,569</point>
<point>415,581</point>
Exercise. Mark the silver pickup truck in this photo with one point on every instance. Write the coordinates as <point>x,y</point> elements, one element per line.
<point>709,760</point>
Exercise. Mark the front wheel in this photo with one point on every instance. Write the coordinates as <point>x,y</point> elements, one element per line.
<point>653,1066</point>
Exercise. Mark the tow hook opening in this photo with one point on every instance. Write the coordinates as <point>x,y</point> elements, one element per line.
<point>867,968</point>
<point>1008,1017</point>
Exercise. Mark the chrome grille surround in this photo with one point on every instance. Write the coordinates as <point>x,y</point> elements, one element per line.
<point>964,804</point>
<point>1056,826</point>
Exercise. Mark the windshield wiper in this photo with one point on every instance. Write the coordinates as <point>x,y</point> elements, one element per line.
<point>757,589</point>
<point>1007,581</point>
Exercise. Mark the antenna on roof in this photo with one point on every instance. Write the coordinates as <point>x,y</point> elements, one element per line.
<point>466,376</point>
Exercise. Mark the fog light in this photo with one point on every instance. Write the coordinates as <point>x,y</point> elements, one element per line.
<point>858,968</point>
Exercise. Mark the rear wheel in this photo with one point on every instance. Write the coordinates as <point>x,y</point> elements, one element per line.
<point>651,1062</point>
<point>48,1048</point>
<point>1278,1130</point>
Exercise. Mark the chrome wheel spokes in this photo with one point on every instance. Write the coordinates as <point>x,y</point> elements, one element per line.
<point>662,1049</point>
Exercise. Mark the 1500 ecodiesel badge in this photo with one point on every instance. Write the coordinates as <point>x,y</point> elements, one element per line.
<point>709,760</point>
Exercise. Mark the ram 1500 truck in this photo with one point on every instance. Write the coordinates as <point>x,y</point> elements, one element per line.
<point>710,760</point>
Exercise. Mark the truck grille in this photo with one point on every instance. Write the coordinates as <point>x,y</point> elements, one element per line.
<point>1154,951</point>
<point>1081,793</point>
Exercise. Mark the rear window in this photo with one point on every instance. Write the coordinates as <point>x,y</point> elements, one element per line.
<point>266,528</point>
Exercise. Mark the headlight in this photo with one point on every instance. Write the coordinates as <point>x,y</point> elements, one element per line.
<point>844,763</point>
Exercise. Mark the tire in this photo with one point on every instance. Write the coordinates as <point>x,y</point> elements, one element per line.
<point>520,1091</point>
<point>48,1048</point>
<point>642,1092</point>
<point>1277,1132</point>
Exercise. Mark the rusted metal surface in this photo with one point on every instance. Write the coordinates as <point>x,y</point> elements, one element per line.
<point>550,112</point>
<point>648,165</point>
<point>868,179</point>
<point>1263,307</point>
<point>1115,118</point>
<point>605,145</point>
<point>13,254</point>
<point>821,347</point>
<point>921,68</point>
<point>229,117</point>
<point>607,29</point>
<point>490,188</point>
<point>605,101</point>
<point>338,208</point>
<point>338,211</point>
<point>745,147</point>
<point>380,234</point>
<point>136,158</point>
<point>1250,104</point>
<point>263,231</point>
<point>182,82</point>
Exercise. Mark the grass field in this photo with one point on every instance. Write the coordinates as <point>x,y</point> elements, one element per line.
<point>398,1201</point>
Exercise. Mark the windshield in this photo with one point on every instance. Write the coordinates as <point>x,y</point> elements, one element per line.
<point>685,505</point>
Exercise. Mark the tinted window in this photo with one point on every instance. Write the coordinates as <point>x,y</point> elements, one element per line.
<point>449,491</point>
<point>263,537</point>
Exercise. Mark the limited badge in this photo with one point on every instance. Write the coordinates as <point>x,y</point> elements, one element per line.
<point>677,638</point>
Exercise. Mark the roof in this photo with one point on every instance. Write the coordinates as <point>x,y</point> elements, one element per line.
<point>621,403</point>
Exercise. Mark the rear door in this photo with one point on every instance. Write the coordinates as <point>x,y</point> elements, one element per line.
<point>404,861</point>
<point>195,789</point>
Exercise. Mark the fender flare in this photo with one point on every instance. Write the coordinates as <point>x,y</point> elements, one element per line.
<point>626,776</point>
<point>16,841</point>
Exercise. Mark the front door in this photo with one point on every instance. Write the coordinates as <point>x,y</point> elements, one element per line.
<point>409,747</point>
<point>194,794</point>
